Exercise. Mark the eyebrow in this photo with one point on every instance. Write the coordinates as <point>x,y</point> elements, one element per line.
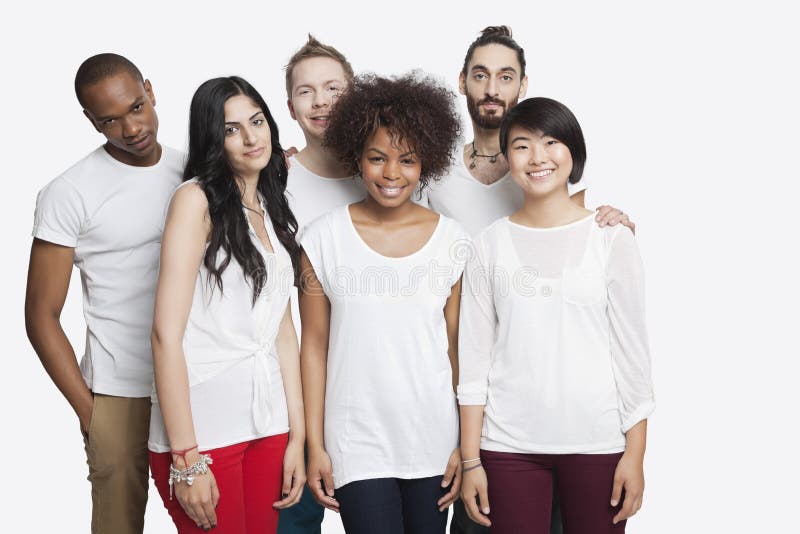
<point>409,153</point>
<point>310,86</point>
<point>253,116</point>
<point>502,69</point>
<point>520,138</point>
<point>136,102</point>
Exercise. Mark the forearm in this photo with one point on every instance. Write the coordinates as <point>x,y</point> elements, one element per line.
<point>313,364</point>
<point>58,358</point>
<point>471,428</point>
<point>636,439</point>
<point>289,355</point>
<point>172,387</point>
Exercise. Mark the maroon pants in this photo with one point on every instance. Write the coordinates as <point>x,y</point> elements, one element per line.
<point>521,492</point>
<point>248,477</point>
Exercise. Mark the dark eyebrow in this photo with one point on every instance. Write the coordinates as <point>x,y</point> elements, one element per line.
<point>503,69</point>
<point>136,102</point>
<point>520,138</point>
<point>253,116</point>
<point>378,151</point>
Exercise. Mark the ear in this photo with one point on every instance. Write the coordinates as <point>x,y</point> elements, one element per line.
<point>94,124</point>
<point>462,84</point>
<point>291,108</point>
<point>523,87</point>
<point>149,90</point>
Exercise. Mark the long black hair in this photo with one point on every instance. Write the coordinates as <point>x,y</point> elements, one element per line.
<point>207,162</point>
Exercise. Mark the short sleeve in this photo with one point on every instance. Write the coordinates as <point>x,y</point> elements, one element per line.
<point>60,214</point>
<point>461,250</point>
<point>311,241</point>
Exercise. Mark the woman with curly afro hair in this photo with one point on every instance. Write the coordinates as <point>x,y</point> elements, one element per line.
<point>379,302</point>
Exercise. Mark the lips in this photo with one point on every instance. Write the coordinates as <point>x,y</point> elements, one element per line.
<point>540,175</point>
<point>140,143</point>
<point>255,153</point>
<point>392,191</point>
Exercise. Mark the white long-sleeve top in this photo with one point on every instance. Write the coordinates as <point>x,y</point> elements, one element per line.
<point>552,338</point>
<point>235,383</point>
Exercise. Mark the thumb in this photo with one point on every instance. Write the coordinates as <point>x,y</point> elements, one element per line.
<point>214,493</point>
<point>616,490</point>
<point>327,477</point>
<point>483,497</point>
<point>287,482</point>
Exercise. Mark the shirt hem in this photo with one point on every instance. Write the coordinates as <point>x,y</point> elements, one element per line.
<point>104,388</point>
<point>388,474</point>
<point>534,448</point>
<point>160,448</point>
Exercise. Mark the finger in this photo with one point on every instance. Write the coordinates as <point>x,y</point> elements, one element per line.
<point>447,499</point>
<point>287,481</point>
<point>472,510</point>
<point>318,491</point>
<point>293,496</point>
<point>625,512</point>
<point>211,514</point>
<point>200,514</point>
<point>483,498</point>
<point>327,478</point>
<point>616,491</point>
<point>602,211</point>
<point>449,473</point>
<point>214,493</point>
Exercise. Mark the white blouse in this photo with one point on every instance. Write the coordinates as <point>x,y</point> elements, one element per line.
<point>390,410</point>
<point>552,338</point>
<point>236,388</point>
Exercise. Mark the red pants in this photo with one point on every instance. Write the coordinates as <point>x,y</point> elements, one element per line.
<point>248,477</point>
<point>521,492</point>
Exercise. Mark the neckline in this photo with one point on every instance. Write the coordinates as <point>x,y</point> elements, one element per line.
<point>267,225</point>
<point>295,161</point>
<point>460,162</point>
<point>133,168</point>
<point>360,239</point>
<point>550,228</point>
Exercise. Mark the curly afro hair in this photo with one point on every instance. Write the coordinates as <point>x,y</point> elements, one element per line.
<point>415,108</point>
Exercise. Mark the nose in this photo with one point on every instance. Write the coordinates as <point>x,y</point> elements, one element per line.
<point>491,86</point>
<point>130,128</point>
<point>321,99</point>
<point>538,155</point>
<point>391,171</point>
<point>248,136</point>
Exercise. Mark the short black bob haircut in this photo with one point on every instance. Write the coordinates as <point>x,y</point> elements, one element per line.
<point>545,115</point>
<point>100,67</point>
<point>415,108</point>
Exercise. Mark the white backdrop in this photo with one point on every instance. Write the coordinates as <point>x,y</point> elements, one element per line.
<point>689,111</point>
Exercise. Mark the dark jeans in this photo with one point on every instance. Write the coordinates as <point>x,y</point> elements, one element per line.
<point>521,489</point>
<point>304,517</point>
<point>392,506</point>
<point>462,524</point>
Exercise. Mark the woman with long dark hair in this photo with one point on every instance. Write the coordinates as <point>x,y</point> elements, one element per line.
<point>225,351</point>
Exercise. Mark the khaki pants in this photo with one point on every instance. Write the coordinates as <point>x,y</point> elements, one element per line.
<point>116,451</point>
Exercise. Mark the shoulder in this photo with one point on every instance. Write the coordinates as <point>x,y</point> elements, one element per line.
<point>325,223</point>
<point>174,160</point>
<point>189,197</point>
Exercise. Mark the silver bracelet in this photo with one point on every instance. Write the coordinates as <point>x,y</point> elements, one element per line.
<point>200,467</point>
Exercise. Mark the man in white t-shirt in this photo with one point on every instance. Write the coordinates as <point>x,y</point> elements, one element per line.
<point>479,189</point>
<point>318,182</point>
<point>105,215</point>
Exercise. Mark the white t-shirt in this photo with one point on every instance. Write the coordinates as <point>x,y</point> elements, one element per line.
<point>235,383</point>
<point>476,205</point>
<point>112,214</point>
<point>552,338</point>
<point>390,410</point>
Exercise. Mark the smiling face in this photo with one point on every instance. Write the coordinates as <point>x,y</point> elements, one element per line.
<point>316,84</point>
<point>248,144</point>
<point>390,169</point>
<point>492,84</point>
<point>122,108</point>
<point>539,164</point>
